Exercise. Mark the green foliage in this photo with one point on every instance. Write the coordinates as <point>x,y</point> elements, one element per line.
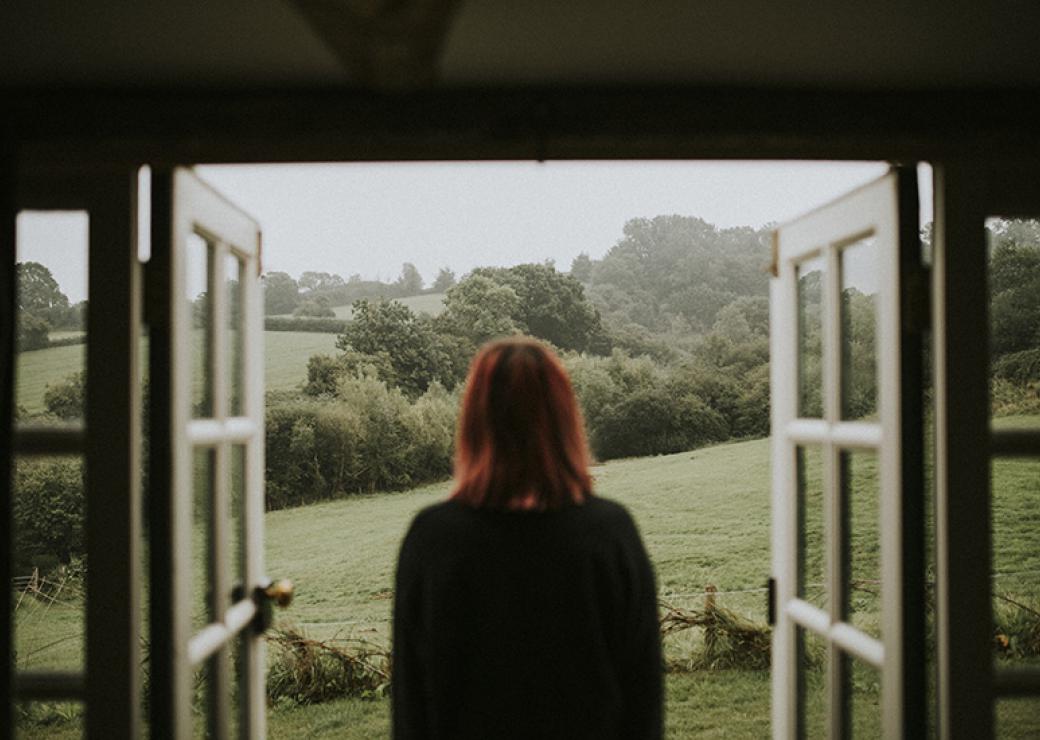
<point>33,332</point>
<point>1014,272</point>
<point>307,324</point>
<point>361,436</point>
<point>390,329</point>
<point>444,281</point>
<point>305,671</point>
<point>320,281</point>
<point>66,399</point>
<point>316,308</point>
<point>40,296</point>
<point>281,293</point>
<point>650,421</point>
<point>410,282</point>
<point>551,306</point>
<point>48,510</point>
<point>480,309</point>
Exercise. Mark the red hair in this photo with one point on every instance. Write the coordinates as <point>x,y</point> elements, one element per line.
<point>521,438</point>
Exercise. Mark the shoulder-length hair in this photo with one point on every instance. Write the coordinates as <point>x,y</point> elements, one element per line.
<point>521,438</point>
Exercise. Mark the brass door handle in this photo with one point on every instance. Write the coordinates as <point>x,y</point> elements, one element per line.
<point>280,593</point>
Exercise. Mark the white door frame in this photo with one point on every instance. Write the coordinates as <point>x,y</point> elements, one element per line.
<point>887,210</point>
<point>185,205</point>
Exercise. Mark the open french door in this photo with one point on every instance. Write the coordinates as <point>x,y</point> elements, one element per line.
<point>847,308</point>
<point>208,593</point>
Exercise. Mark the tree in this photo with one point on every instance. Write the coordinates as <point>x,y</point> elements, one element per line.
<point>480,309</point>
<point>410,282</point>
<point>581,268</point>
<point>281,293</point>
<point>552,306</point>
<point>445,280</point>
<point>65,399</point>
<point>39,294</point>
<point>48,510</point>
<point>316,308</point>
<point>1014,273</point>
<point>33,333</point>
<point>390,331</point>
<point>311,281</point>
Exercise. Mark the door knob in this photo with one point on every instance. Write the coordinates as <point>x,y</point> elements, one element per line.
<point>280,593</point>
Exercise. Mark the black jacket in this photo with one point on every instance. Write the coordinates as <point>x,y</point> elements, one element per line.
<point>526,625</point>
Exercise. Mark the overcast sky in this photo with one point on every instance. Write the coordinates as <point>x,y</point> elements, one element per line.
<point>371,218</point>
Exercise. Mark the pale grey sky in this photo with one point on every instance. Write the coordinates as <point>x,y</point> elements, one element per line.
<point>370,218</point>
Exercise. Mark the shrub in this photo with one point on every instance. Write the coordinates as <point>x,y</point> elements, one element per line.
<point>65,399</point>
<point>33,333</point>
<point>295,323</point>
<point>306,671</point>
<point>651,421</point>
<point>48,510</point>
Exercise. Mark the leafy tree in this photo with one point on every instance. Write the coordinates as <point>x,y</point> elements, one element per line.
<point>316,308</point>
<point>552,306</point>
<point>1014,273</point>
<point>409,342</point>
<point>410,282</point>
<point>49,510</point>
<point>66,399</point>
<point>480,309</point>
<point>444,281</point>
<point>281,293</point>
<point>311,281</point>
<point>581,268</point>
<point>33,332</point>
<point>39,294</point>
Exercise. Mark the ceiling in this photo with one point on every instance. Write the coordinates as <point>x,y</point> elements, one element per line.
<point>410,44</point>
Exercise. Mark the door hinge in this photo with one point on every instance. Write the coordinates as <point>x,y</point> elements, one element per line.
<point>774,264</point>
<point>771,602</point>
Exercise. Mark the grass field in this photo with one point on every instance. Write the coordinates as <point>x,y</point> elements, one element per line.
<point>705,518</point>
<point>431,303</point>
<point>286,354</point>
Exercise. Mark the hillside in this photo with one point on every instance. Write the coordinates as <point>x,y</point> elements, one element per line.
<point>286,354</point>
<point>704,516</point>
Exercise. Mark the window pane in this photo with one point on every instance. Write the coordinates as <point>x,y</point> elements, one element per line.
<point>862,547</point>
<point>1016,561</point>
<point>198,257</point>
<point>236,314</point>
<point>811,585</point>
<point>863,699</point>
<point>1014,287</point>
<point>50,571</point>
<point>202,533</point>
<point>236,527</point>
<point>1017,718</point>
<point>52,252</point>
<point>810,338</point>
<point>812,684</point>
<point>50,720</point>
<point>859,295</point>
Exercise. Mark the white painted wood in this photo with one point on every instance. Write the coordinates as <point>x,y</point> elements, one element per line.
<point>870,211</point>
<point>200,210</point>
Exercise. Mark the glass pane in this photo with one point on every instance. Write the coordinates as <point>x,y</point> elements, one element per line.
<point>1014,286</point>
<point>812,684</point>
<point>863,696</point>
<point>1016,560</point>
<point>236,527</point>
<point>197,258</point>
<point>1017,718</point>
<point>215,697</point>
<point>862,547</point>
<point>811,586</point>
<point>810,338</point>
<point>49,575</point>
<point>235,360</point>
<point>50,720</point>
<point>859,296</point>
<point>52,251</point>
<point>202,533</point>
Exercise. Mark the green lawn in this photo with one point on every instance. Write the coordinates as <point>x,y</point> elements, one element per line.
<point>431,303</point>
<point>705,518</point>
<point>286,354</point>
